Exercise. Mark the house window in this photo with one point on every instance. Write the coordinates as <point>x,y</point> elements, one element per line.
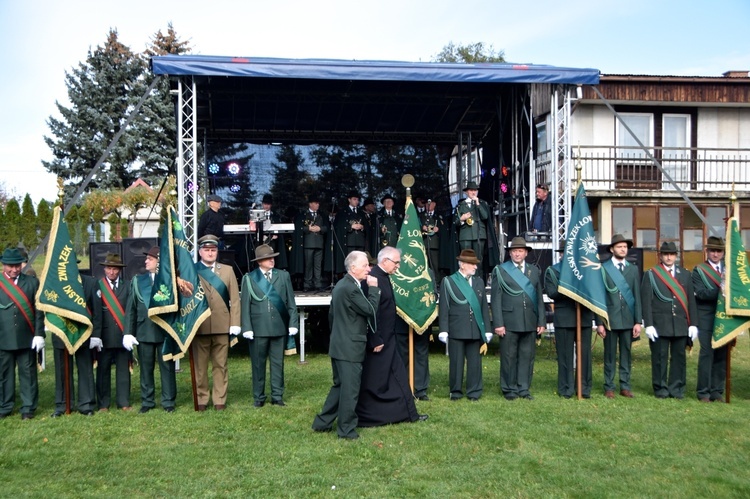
<point>676,149</point>
<point>633,169</point>
<point>622,222</point>
<point>645,222</point>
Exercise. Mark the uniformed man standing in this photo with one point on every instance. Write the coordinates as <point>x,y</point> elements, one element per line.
<point>313,227</point>
<point>21,335</point>
<point>670,315</point>
<point>622,282</point>
<point>712,363</point>
<point>518,318</point>
<point>432,224</point>
<point>472,215</point>
<point>390,223</point>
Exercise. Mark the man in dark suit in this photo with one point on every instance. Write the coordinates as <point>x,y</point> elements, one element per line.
<point>113,294</point>
<point>83,359</point>
<point>351,312</point>
<point>390,222</point>
<point>269,314</point>
<point>472,215</point>
<point>670,315</point>
<point>313,227</point>
<point>211,221</point>
<point>623,284</point>
<point>211,342</point>
<point>21,335</point>
<point>518,318</point>
<point>464,323</point>
<point>712,363</point>
<point>565,336</point>
<point>432,224</point>
<point>142,331</point>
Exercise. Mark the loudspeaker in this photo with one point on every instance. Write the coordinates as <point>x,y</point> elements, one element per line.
<point>542,258</point>
<point>97,253</point>
<point>133,254</point>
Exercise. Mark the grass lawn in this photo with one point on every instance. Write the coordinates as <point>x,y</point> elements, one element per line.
<point>549,447</point>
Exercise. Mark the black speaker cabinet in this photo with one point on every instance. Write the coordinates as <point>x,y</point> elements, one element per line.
<point>133,254</point>
<point>97,253</point>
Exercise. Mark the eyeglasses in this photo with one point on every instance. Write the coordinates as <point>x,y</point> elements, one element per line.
<point>394,261</point>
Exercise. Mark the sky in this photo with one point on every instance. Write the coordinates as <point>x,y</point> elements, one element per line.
<point>40,41</point>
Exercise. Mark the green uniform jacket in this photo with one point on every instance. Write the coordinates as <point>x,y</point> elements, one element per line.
<point>457,318</point>
<point>706,296</point>
<point>94,306</point>
<point>15,333</point>
<point>669,319</point>
<point>515,311</point>
<point>620,315</point>
<point>111,334</point>
<point>137,320</point>
<point>261,316</point>
<point>565,308</point>
<point>390,227</point>
<point>480,214</point>
<point>349,314</point>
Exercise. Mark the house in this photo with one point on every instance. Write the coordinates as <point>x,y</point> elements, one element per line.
<point>697,128</point>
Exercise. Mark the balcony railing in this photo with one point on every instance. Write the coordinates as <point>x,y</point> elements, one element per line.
<point>628,168</point>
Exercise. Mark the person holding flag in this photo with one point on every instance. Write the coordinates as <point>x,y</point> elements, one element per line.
<point>142,331</point>
<point>670,315</point>
<point>464,324</point>
<point>622,284</point>
<point>707,282</point>
<point>113,290</point>
<point>268,316</point>
<point>21,335</point>
<point>518,318</point>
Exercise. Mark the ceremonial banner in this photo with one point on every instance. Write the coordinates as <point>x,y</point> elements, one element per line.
<point>180,316</point>
<point>60,294</point>
<point>727,327</point>
<point>413,287</point>
<point>581,273</point>
<point>737,278</point>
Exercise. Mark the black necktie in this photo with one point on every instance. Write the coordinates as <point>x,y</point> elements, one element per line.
<point>268,275</point>
<point>114,285</point>
<point>621,266</point>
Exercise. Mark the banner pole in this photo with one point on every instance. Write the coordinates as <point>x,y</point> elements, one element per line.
<point>66,379</point>
<point>728,385</point>
<point>411,358</point>
<point>192,380</point>
<point>578,352</point>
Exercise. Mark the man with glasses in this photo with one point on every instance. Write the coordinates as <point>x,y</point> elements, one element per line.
<point>385,396</point>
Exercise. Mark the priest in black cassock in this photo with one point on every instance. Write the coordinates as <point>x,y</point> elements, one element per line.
<point>385,396</point>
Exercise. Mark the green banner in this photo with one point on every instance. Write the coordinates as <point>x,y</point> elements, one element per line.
<point>581,273</point>
<point>60,294</point>
<point>179,315</point>
<point>413,287</point>
<point>727,327</point>
<point>737,277</point>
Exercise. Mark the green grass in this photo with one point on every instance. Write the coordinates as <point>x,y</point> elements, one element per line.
<point>549,447</point>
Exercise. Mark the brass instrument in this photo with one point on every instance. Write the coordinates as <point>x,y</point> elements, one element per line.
<point>470,221</point>
<point>430,230</point>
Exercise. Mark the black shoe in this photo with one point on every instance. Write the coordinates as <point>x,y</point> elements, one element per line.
<point>169,409</point>
<point>27,415</point>
<point>144,409</point>
<point>422,417</point>
<point>354,437</point>
<point>280,403</point>
<point>3,416</point>
<point>511,397</point>
<point>56,414</point>
<point>87,413</point>
<point>424,398</point>
<point>259,403</point>
<point>322,430</point>
<point>455,399</point>
<point>528,397</point>
<point>473,399</point>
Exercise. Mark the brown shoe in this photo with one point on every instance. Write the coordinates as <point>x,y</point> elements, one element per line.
<point>220,407</point>
<point>127,408</point>
<point>201,407</point>
<point>104,409</point>
<point>609,394</point>
<point>720,399</point>
<point>704,400</point>
<point>627,393</point>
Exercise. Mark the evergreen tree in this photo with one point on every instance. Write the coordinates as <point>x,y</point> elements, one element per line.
<point>11,224</point>
<point>27,230</point>
<point>2,228</point>
<point>156,128</point>
<point>43,218</point>
<point>101,92</point>
<point>340,171</point>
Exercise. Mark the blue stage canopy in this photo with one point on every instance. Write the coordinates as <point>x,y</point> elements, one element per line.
<point>329,69</point>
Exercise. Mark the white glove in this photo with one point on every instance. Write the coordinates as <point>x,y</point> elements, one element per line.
<point>693,332</point>
<point>128,342</point>
<point>37,344</point>
<point>443,337</point>
<point>293,331</point>
<point>235,330</point>
<point>488,336</point>
<point>248,334</point>
<point>651,333</point>
<point>96,343</point>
